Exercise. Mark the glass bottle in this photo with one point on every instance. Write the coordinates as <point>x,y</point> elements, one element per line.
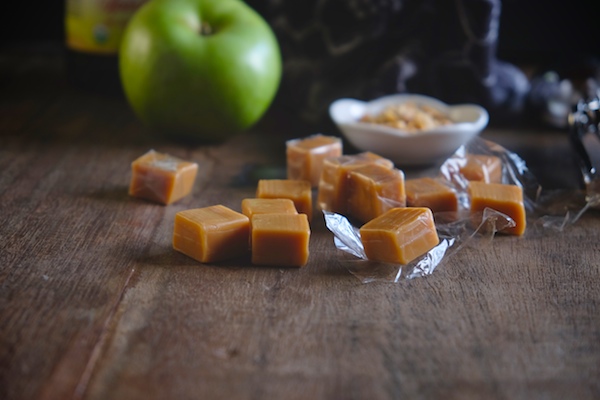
<point>93,31</point>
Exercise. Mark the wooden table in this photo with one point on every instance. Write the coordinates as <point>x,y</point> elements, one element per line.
<point>95,303</point>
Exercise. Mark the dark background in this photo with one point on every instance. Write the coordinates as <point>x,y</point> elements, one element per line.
<point>564,35</point>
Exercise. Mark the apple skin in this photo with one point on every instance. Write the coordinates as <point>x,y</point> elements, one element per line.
<point>199,69</point>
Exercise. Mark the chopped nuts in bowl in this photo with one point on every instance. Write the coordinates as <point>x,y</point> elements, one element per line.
<point>409,129</point>
<point>409,116</point>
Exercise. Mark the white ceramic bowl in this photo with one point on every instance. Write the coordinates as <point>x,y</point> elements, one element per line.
<point>408,148</point>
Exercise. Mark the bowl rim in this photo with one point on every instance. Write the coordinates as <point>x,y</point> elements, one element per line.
<point>457,127</point>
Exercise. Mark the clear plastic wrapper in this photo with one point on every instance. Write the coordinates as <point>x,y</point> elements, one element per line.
<point>548,212</point>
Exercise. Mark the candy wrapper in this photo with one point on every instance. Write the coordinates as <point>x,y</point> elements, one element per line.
<point>548,212</point>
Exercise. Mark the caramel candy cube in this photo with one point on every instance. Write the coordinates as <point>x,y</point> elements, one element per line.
<point>482,168</point>
<point>161,178</point>
<point>399,235</point>
<point>507,199</point>
<point>374,189</point>
<point>299,191</point>
<point>280,239</point>
<point>332,193</point>
<point>429,192</point>
<point>267,206</point>
<point>211,234</point>
<point>251,207</point>
<point>305,156</point>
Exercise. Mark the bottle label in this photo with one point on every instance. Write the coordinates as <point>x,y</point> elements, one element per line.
<point>96,26</point>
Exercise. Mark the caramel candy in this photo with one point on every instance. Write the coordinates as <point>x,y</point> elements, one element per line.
<point>305,156</point>
<point>399,235</point>
<point>374,189</point>
<point>299,191</point>
<point>267,206</point>
<point>332,193</point>
<point>507,199</point>
<point>161,178</point>
<point>211,234</point>
<point>251,207</point>
<point>482,168</point>
<point>430,193</point>
<point>280,239</point>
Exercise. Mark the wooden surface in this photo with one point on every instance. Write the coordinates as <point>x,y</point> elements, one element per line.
<point>95,304</point>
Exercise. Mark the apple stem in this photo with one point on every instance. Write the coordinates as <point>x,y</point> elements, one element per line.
<point>206,29</point>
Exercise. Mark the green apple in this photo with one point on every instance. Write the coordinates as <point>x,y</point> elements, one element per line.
<point>200,69</point>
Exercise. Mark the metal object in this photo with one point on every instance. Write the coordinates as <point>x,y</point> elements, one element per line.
<point>584,132</point>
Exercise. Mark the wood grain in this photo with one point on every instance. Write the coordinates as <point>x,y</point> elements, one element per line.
<point>95,304</point>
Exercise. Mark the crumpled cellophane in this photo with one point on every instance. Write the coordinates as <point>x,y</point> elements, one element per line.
<point>548,212</point>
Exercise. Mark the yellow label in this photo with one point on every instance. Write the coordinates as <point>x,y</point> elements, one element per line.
<point>96,26</point>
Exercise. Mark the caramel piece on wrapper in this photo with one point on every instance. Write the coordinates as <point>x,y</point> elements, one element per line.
<point>299,191</point>
<point>430,193</point>
<point>211,234</point>
<point>507,199</point>
<point>332,192</point>
<point>482,168</point>
<point>305,156</point>
<point>161,178</point>
<point>280,239</point>
<point>374,189</point>
<point>399,235</point>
